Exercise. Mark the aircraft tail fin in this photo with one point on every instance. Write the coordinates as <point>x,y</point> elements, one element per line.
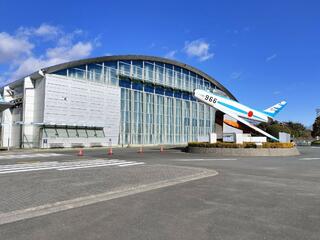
<point>275,109</point>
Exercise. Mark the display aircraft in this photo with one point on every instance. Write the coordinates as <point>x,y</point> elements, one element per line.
<point>238,111</point>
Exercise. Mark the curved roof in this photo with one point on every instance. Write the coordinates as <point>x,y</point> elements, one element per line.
<point>137,57</point>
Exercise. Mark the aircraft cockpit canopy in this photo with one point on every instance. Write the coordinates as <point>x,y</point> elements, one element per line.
<point>218,92</point>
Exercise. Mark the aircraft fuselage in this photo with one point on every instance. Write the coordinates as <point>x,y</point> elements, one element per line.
<point>227,105</point>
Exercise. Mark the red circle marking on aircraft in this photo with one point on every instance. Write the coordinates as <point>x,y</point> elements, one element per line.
<point>250,114</point>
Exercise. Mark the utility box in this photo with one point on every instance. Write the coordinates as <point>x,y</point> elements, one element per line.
<point>284,137</point>
<point>212,137</point>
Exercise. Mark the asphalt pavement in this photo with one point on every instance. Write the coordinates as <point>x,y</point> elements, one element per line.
<point>161,195</point>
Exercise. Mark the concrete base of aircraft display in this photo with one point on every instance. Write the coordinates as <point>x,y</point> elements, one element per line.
<point>245,152</point>
<point>244,145</point>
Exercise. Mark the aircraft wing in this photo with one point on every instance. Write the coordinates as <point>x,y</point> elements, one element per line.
<point>252,126</point>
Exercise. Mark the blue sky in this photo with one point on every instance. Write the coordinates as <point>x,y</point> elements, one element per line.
<point>262,51</point>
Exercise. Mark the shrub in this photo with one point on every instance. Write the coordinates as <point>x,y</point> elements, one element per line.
<point>214,145</point>
<point>315,143</point>
<point>244,145</point>
<point>277,145</point>
<point>249,145</point>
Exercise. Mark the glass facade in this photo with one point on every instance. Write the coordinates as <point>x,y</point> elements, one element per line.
<point>157,106</point>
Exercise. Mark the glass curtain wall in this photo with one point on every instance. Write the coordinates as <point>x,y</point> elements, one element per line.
<point>157,119</point>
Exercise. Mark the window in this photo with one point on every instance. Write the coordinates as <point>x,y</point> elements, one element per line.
<point>62,132</point>
<point>72,132</point>
<point>99,133</point>
<point>91,133</point>
<point>50,132</point>
<point>82,133</point>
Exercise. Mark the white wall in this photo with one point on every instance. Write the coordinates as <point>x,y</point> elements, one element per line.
<point>6,123</point>
<point>82,103</point>
<point>28,114</point>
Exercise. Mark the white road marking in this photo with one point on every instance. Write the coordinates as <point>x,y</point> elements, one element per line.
<point>32,155</point>
<point>207,159</point>
<point>304,159</point>
<point>131,164</point>
<point>89,166</point>
<point>64,166</point>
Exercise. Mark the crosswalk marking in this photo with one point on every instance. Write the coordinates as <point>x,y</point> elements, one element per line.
<point>64,166</point>
<point>32,155</point>
<point>131,164</point>
<point>206,159</point>
<point>309,158</point>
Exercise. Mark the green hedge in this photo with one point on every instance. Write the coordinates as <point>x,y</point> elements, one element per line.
<point>277,145</point>
<point>315,143</point>
<point>235,145</point>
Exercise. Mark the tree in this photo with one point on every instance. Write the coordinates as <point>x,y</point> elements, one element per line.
<point>274,129</point>
<point>298,130</point>
<point>316,128</point>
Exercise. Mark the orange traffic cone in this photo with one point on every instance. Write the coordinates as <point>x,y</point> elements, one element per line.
<point>80,153</point>
<point>140,150</point>
<point>110,151</point>
<point>161,148</point>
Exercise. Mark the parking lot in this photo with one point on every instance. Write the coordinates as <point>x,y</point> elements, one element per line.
<point>158,195</point>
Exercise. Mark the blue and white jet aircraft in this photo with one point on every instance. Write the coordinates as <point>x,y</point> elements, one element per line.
<point>239,111</point>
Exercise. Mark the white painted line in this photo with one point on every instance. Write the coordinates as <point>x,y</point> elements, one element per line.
<point>27,170</point>
<point>75,164</point>
<point>131,164</point>
<point>20,166</point>
<point>206,159</point>
<point>63,166</point>
<point>18,156</point>
<point>87,166</point>
<point>305,159</point>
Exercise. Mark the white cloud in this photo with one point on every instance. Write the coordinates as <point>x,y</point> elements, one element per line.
<point>21,55</point>
<point>13,47</point>
<point>47,30</point>
<point>198,48</point>
<point>78,50</point>
<point>273,56</point>
<point>236,75</point>
<point>28,66</point>
<point>68,38</point>
<point>171,54</point>
<point>152,45</point>
<point>53,56</point>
